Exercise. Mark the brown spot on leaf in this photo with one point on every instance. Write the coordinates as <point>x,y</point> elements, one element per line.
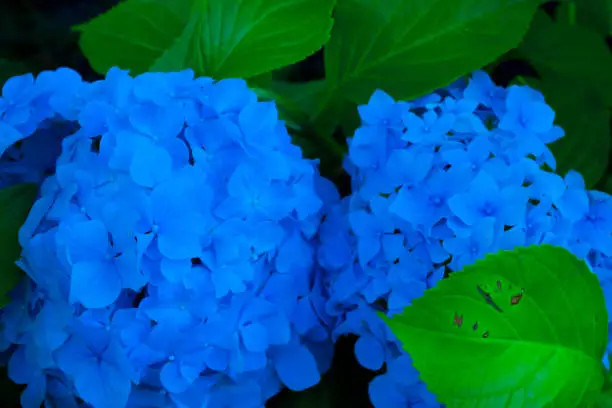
<point>514,300</point>
<point>475,327</point>
<point>458,320</point>
<point>485,335</point>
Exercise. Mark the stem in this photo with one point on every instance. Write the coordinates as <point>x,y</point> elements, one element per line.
<point>572,13</point>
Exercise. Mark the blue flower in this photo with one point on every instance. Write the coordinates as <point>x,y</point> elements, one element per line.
<point>483,90</point>
<point>101,370</point>
<point>427,203</point>
<point>383,110</point>
<point>180,351</point>
<point>370,228</point>
<point>466,250</point>
<point>527,112</point>
<point>400,387</point>
<point>22,371</point>
<point>100,270</point>
<point>596,225</point>
<point>172,246</point>
<point>485,198</point>
<point>461,178</point>
<point>430,129</point>
<point>296,367</point>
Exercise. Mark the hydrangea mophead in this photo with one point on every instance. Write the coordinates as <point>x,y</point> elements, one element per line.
<point>170,254</point>
<point>436,184</point>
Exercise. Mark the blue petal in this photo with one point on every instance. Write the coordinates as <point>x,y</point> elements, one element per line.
<point>20,370</point>
<point>177,245</point>
<point>296,367</point>
<point>384,393</point>
<point>217,359</point>
<point>14,87</point>
<point>158,122</point>
<point>150,166</point>
<point>34,394</point>
<point>174,271</point>
<point>8,136</point>
<point>231,95</point>
<point>257,121</point>
<point>369,352</point>
<point>254,337</point>
<point>304,316</point>
<point>94,284</point>
<point>573,204</point>
<point>172,379</point>
<point>294,253</point>
<point>103,386</point>
<point>88,241</point>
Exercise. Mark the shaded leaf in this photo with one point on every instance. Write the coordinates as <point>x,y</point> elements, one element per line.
<point>133,34</point>
<point>216,38</point>
<point>411,47</point>
<point>15,204</point>
<point>575,52</point>
<point>586,121</point>
<point>594,14</point>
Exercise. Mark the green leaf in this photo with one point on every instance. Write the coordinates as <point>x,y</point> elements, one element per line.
<point>217,38</point>
<point>11,68</point>
<point>574,64</point>
<point>604,401</point>
<point>605,185</point>
<point>133,34</point>
<point>605,398</point>
<point>411,47</point>
<point>573,51</point>
<point>521,328</point>
<point>586,121</point>
<point>15,204</point>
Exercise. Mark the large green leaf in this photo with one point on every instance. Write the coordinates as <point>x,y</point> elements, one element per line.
<point>521,328</point>
<point>411,47</point>
<point>15,203</point>
<point>219,38</point>
<point>133,34</point>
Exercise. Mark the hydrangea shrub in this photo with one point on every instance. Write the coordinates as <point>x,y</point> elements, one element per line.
<point>182,250</point>
<point>438,183</point>
<point>170,253</point>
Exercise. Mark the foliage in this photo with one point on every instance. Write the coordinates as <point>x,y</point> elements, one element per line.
<point>507,327</point>
<point>15,202</point>
<point>213,37</point>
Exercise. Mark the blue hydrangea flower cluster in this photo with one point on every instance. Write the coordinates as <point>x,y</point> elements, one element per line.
<point>436,184</point>
<point>170,254</point>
